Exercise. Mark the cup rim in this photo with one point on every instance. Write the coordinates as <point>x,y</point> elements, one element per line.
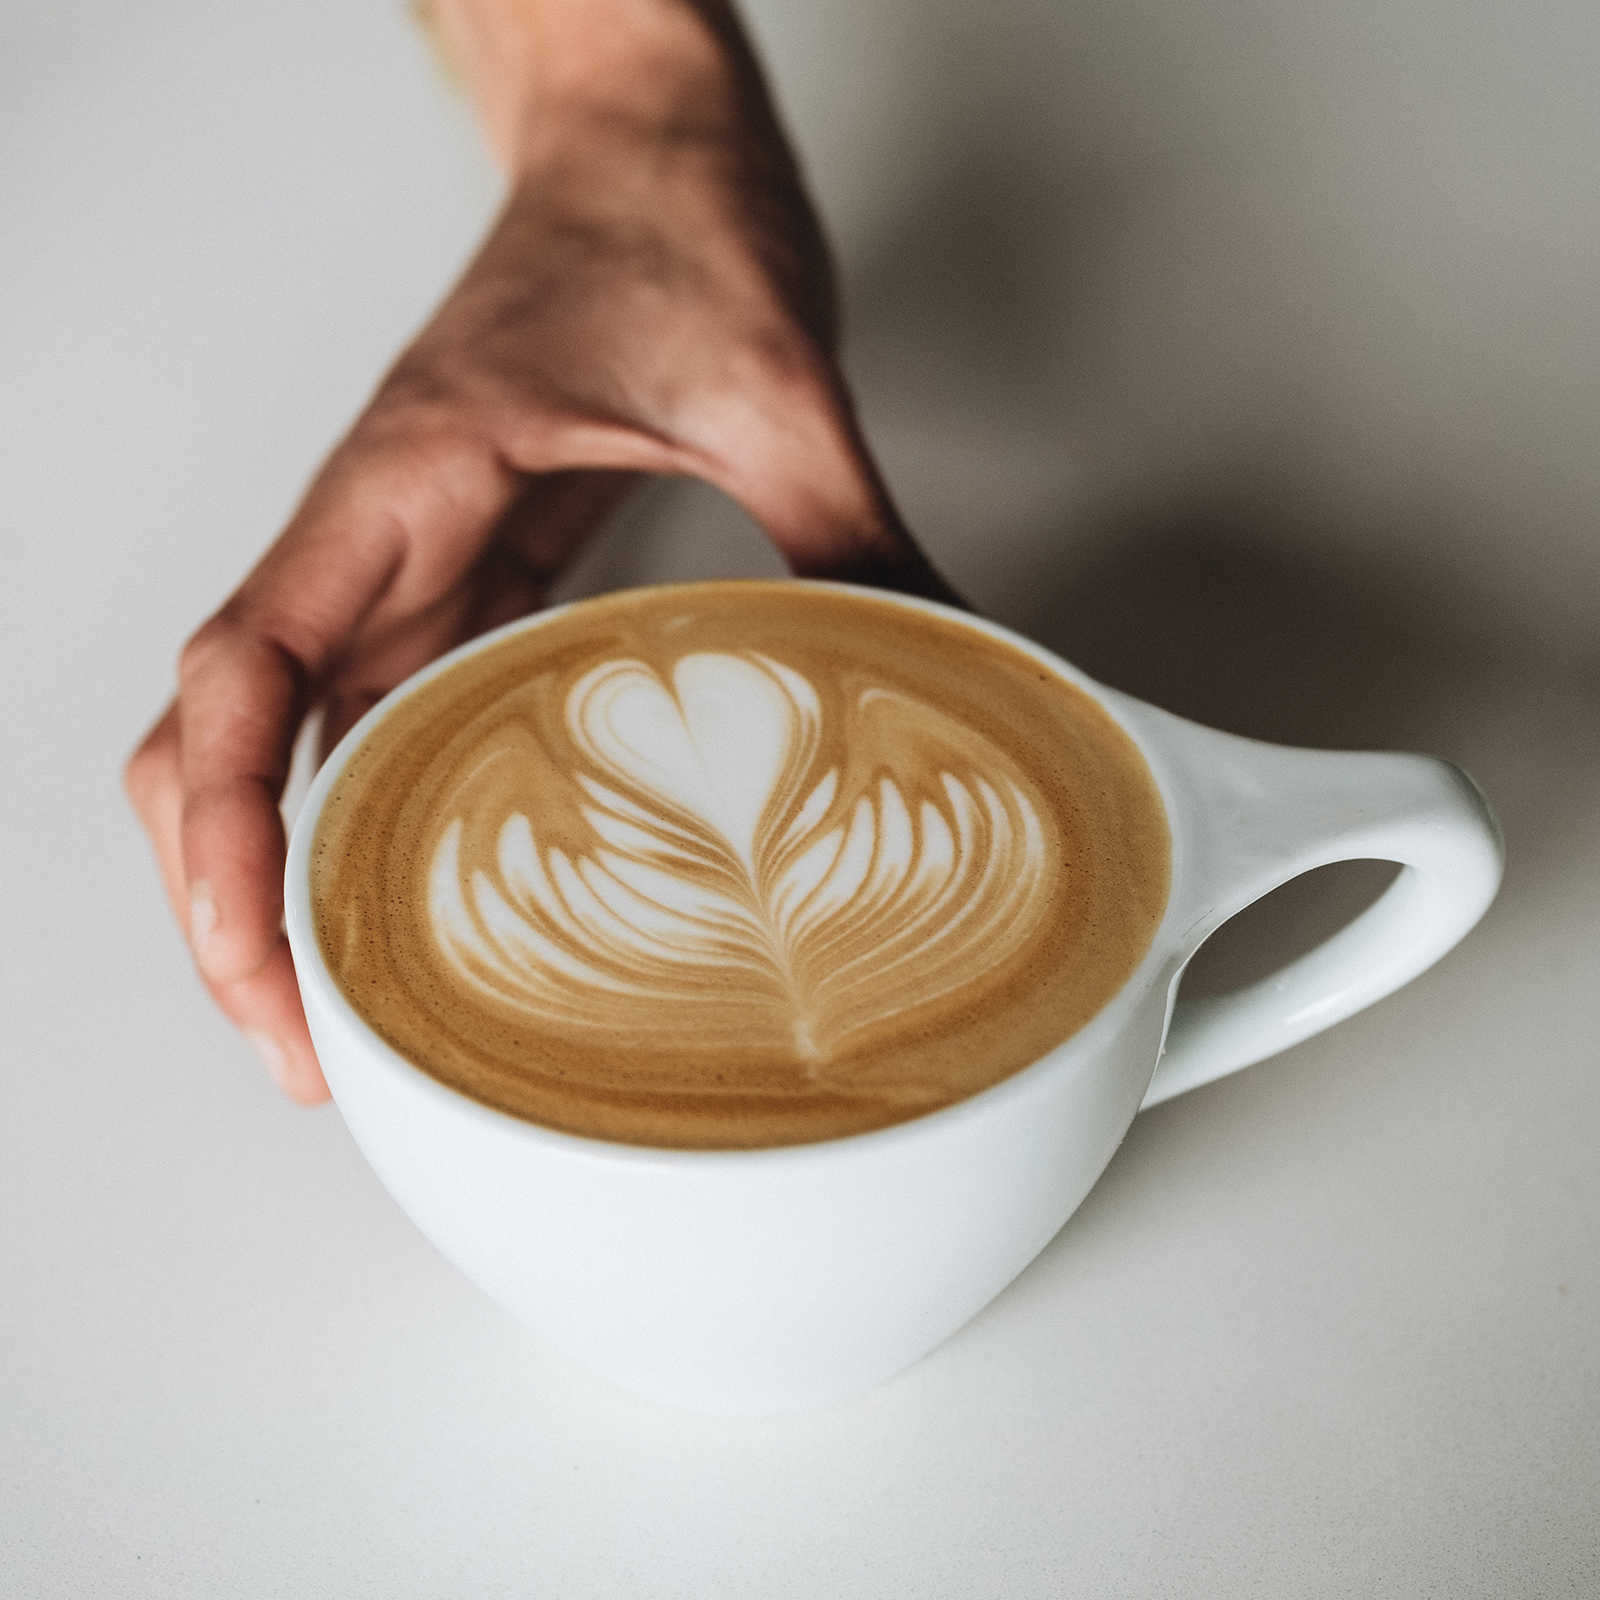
<point>1072,1051</point>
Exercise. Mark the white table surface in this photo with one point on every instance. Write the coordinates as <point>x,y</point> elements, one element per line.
<point>1248,354</point>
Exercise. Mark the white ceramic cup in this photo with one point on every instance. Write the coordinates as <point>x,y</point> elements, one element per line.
<point>767,1280</point>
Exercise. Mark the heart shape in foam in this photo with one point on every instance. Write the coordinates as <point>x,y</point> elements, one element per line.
<point>735,892</point>
<point>717,746</point>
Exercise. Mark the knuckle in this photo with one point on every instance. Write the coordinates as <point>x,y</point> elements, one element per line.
<point>401,470</point>
<point>153,766</point>
<point>213,638</point>
<point>415,388</point>
<point>141,774</point>
<point>403,442</point>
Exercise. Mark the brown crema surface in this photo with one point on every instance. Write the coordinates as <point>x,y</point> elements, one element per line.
<point>734,865</point>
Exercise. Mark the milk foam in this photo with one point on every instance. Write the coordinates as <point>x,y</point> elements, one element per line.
<point>727,875</point>
<point>736,865</point>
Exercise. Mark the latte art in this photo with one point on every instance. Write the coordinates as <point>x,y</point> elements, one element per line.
<point>735,887</point>
<point>741,864</point>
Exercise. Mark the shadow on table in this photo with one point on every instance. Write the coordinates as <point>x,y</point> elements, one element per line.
<point>1222,601</point>
<point>1232,630</point>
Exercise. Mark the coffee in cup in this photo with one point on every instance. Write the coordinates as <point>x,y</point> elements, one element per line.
<point>735,865</point>
<point>797,878</point>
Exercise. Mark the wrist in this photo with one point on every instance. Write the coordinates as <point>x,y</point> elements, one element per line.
<point>546,73</point>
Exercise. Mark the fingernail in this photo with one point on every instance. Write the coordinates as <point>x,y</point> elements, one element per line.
<point>273,1054</point>
<point>202,918</point>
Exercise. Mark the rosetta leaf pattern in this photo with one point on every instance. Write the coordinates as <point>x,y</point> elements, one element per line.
<point>732,889</point>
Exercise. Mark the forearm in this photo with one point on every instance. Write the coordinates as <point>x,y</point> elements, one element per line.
<point>537,68</point>
<point>633,117</point>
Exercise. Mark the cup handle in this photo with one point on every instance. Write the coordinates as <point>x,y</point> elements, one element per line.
<point>1249,817</point>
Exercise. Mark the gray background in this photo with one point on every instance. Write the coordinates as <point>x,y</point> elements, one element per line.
<point>1244,352</point>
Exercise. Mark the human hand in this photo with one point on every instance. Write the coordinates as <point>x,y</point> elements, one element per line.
<point>655,297</point>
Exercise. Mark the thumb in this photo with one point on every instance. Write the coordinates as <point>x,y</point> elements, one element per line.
<point>794,456</point>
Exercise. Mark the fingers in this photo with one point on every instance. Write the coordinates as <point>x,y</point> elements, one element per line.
<point>266,1008</point>
<point>266,1005</point>
<point>224,951</point>
<point>555,516</point>
<point>240,700</point>
<point>533,542</point>
<point>153,786</point>
<point>390,521</point>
